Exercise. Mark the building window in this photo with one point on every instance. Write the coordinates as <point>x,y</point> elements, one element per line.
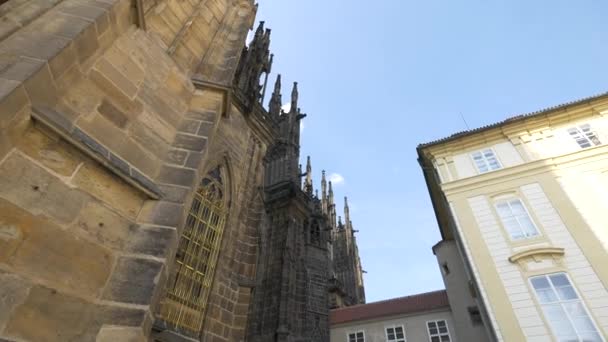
<point>563,308</point>
<point>475,315</point>
<point>358,336</point>
<point>485,160</point>
<point>396,333</point>
<point>184,306</point>
<point>584,136</point>
<point>438,331</point>
<point>515,219</point>
<point>445,268</point>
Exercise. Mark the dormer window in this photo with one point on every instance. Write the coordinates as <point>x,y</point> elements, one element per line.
<point>584,136</point>
<point>485,160</point>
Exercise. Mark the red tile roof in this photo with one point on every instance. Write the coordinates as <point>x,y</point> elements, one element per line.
<point>396,306</point>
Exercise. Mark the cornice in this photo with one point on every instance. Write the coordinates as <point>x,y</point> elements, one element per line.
<point>521,124</point>
<point>537,252</point>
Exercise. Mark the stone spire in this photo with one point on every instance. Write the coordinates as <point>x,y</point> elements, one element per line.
<point>346,212</point>
<point>267,57</point>
<point>267,69</point>
<point>255,60</point>
<point>274,106</point>
<point>323,192</point>
<point>294,98</point>
<point>308,188</point>
<point>259,31</point>
<point>331,207</point>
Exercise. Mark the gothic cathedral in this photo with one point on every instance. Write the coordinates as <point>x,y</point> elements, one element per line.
<point>147,192</point>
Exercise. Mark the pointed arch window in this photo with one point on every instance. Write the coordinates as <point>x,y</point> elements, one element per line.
<point>183,308</point>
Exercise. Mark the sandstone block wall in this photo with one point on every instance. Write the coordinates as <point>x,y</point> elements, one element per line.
<point>237,147</point>
<point>102,137</point>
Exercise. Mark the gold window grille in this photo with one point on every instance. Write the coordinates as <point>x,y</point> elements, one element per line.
<point>183,308</point>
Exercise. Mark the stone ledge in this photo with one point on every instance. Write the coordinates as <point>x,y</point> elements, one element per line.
<point>245,281</point>
<point>91,147</point>
<point>133,281</point>
<point>162,332</point>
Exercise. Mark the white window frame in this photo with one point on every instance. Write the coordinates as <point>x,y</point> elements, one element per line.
<point>485,160</point>
<point>498,201</point>
<point>438,334</point>
<point>586,137</point>
<point>394,327</point>
<point>355,333</point>
<point>562,302</point>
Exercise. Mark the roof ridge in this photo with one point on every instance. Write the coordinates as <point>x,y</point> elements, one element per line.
<point>392,299</point>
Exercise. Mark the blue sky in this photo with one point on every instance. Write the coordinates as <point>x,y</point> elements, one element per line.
<point>376,78</point>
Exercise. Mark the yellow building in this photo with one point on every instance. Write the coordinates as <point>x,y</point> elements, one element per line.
<point>524,203</point>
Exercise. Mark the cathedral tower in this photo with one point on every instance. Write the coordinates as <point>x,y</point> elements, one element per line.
<point>291,300</point>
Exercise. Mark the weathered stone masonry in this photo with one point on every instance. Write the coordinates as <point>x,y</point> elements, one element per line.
<point>103,136</point>
<point>111,113</point>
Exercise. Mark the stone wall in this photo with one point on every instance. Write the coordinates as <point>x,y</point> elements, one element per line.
<point>237,147</point>
<point>102,137</point>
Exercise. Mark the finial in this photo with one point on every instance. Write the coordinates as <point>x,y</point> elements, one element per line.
<point>323,185</point>
<point>274,106</point>
<point>308,184</point>
<point>260,29</point>
<point>277,85</point>
<point>346,212</point>
<point>294,98</point>
<point>330,194</point>
<point>268,66</point>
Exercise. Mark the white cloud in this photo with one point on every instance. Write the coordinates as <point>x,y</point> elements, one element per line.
<point>250,36</point>
<point>286,108</point>
<point>336,179</point>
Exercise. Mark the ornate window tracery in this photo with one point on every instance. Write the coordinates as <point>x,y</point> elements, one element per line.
<point>183,308</point>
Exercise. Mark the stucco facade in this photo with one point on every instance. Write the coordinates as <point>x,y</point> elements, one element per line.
<point>398,319</point>
<point>524,201</point>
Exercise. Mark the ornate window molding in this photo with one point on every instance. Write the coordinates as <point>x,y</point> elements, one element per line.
<point>537,254</point>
